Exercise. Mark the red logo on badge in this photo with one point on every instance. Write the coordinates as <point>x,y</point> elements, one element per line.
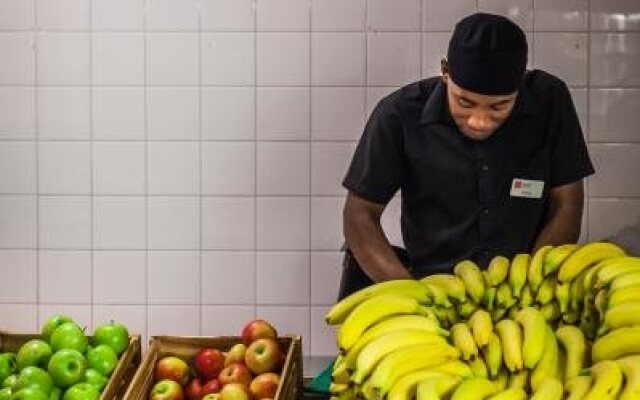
<point>517,184</point>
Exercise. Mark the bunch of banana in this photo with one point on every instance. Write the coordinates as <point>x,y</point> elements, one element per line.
<point>560,323</point>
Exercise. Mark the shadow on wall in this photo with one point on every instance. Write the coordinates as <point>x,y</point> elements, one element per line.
<point>628,238</point>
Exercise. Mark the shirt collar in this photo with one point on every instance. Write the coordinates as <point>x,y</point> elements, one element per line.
<point>436,108</point>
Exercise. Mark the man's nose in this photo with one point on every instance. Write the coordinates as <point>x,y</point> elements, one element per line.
<point>480,121</point>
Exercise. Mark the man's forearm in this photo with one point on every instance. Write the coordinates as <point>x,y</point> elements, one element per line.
<point>563,224</point>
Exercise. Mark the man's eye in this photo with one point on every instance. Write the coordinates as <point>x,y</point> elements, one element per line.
<point>498,108</point>
<point>464,103</point>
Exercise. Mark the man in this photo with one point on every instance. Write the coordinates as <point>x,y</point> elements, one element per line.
<point>489,160</point>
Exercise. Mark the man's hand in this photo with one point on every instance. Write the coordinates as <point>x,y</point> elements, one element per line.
<point>367,241</point>
<point>564,217</point>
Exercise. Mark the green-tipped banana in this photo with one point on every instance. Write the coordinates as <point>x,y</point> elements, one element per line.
<point>550,389</point>
<point>437,294</point>
<point>574,343</point>
<point>490,298</point>
<point>548,365</point>
<point>463,339</point>
<point>472,278</point>
<point>519,380</point>
<point>504,297</point>
<point>551,311</point>
<point>406,360</point>
<point>511,340</point>
<point>466,309</point>
<point>556,256</point>
<point>510,394</point>
<point>546,291</point>
<point>372,310</point>
<point>435,388</point>
<point>615,267</point>
<point>492,353</point>
<point>407,287</point>
<point>607,381</point>
<point>535,274</point>
<point>587,256</point>
<point>378,348</point>
<point>405,387</point>
<point>526,297</point>
<point>474,388</point>
<point>497,271</point>
<point>518,273</point>
<point>563,295</point>
<point>450,284</point>
<point>630,367</point>
<point>479,368</point>
<point>577,292</point>
<point>577,387</point>
<point>481,327</point>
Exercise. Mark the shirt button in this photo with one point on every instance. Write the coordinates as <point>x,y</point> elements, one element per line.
<point>485,211</point>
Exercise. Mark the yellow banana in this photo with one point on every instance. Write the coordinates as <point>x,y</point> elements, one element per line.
<point>490,298</point>
<point>586,256</point>
<point>478,367</point>
<point>626,314</point>
<point>492,353</point>
<point>617,343</point>
<point>463,340</point>
<point>347,394</point>
<point>504,297</point>
<point>577,291</point>
<point>339,374</point>
<point>547,367</point>
<point>511,340</point>
<point>563,295</point>
<point>481,327</point>
<point>629,294</point>
<point>392,324</point>
<point>577,387</point>
<point>510,394</point>
<point>626,280</point>
<point>556,256</point>
<point>551,311</point>
<point>534,328</point>
<point>466,309</point>
<point>535,275</point>
<point>407,287</point>
<point>472,278</point>
<point>630,367</point>
<point>600,302</point>
<point>437,294</point>
<point>405,387</point>
<point>519,380</point>
<point>435,388</point>
<point>497,271</point>
<point>518,273</point>
<point>546,291</point>
<point>573,341</point>
<point>454,367</point>
<point>450,284</point>
<point>337,388</point>
<point>451,315</point>
<point>526,296</point>
<point>375,350</point>
<point>562,365</point>
<point>615,267</point>
<point>550,389</point>
<point>372,310</point>
<point>607,381</point>
<point>474,388</point>
<point>406,360</point>
<point>502,379</point>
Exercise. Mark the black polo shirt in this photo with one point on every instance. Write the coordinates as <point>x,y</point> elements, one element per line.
<point>461,198</point>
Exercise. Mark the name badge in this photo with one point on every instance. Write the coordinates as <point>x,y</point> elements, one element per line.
<point>526,188</point>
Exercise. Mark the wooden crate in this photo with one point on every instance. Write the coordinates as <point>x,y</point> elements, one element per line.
<point>186,347</point>
<point>120,377</point>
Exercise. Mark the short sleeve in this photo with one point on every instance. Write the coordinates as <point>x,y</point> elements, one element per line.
<point>569,156</point>
<point>376,169</point>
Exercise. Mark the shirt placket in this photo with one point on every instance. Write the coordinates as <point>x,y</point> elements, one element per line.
<point>485,208</point>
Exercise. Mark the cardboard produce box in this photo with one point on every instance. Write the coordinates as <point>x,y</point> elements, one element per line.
<point>186,347</point>
<point>120,377</point>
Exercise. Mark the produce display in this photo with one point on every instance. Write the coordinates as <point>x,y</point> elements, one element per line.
<point>249,370</point>
<point>63,363</point>
<point>562,323</point>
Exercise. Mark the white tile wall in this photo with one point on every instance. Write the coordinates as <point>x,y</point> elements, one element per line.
<point>197,147</point>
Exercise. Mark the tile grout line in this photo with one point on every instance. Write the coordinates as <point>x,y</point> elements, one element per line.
<point>91,165</point>
<point>146,165</point>
<point>200,172</point>
<point>588,121</point>
<point>255,157</point>
<point>37,160</point>
<point>309,323</point>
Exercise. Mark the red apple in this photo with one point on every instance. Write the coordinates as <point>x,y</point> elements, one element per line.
<point>212,386</point>
<point>258,329</point>
<point>172,368</point>
<point>193,390</point>
<point>263,355</point>
<point>235,373</point>
<point>208,363</point>
<point>264,385</point>
<point>235,354</point>
<point>235,391</point>
<point>166,389</point>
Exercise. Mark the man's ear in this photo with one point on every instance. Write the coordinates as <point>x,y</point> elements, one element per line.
<point>444,68</point>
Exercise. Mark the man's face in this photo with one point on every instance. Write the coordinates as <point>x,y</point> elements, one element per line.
<point>478,116</point>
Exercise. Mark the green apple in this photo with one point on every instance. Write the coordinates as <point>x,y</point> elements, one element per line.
<point>67,367</point>
<point>34,377</point>
<point>82,391</point>
<point>103,359</point>
<point>52,323</point>
<point>35,352</point>
<point>56,393</point>
<point>95,378</point>
<point>114,335</point>
<point>7,365</point>
<point>69,336</point>
<point>5,393</point>
<point>29,393</point>
<point>10,381</point>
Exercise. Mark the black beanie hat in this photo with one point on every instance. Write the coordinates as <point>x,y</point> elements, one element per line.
<point>487,54</point>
